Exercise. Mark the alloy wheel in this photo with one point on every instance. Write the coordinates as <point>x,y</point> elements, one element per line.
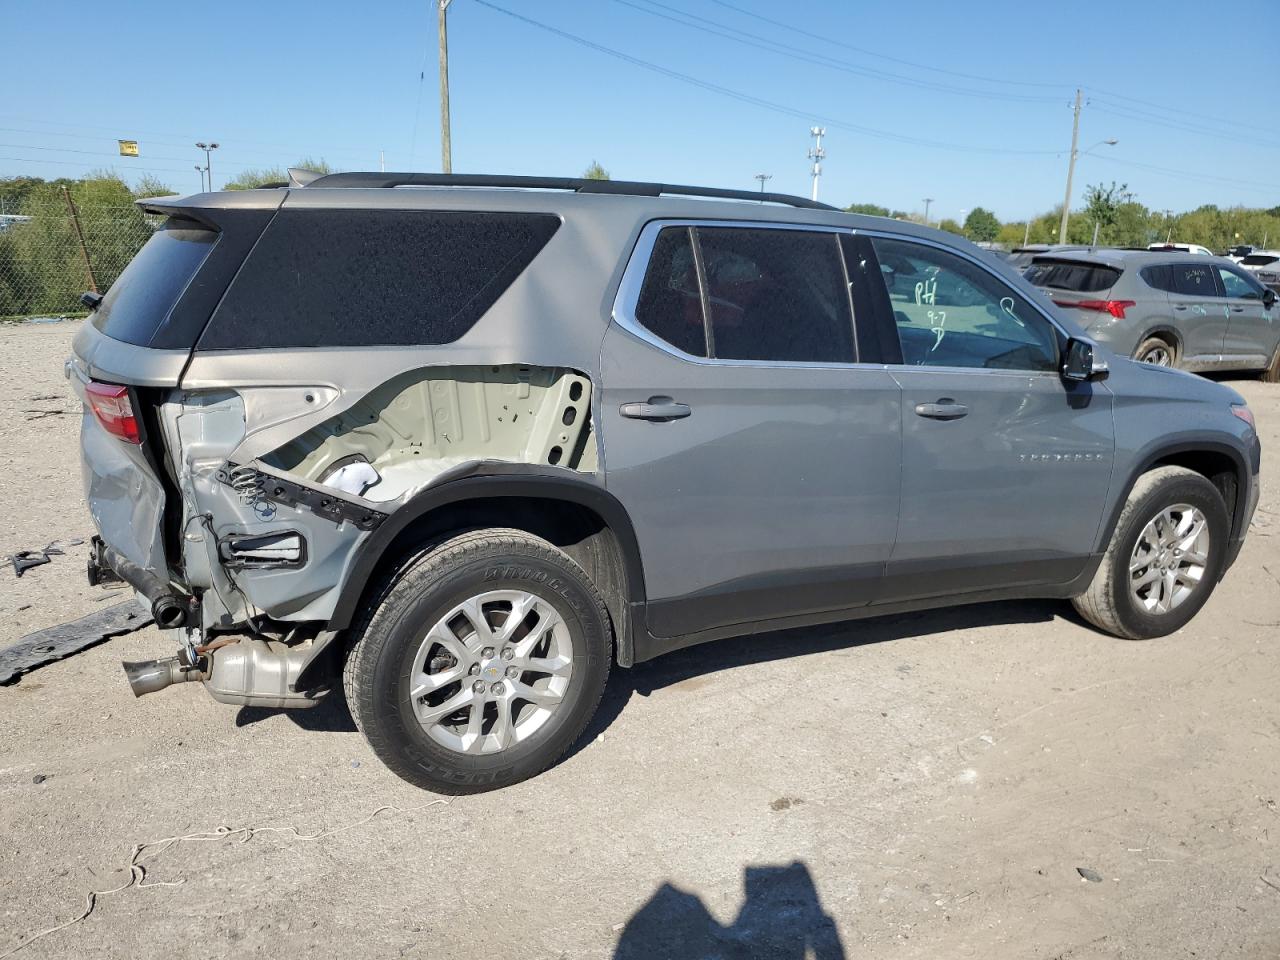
<point>491,671</point>
<point>1160,356</point>
<point>1169,560</point>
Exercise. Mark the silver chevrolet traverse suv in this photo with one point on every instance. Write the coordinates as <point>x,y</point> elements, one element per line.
<point>461,444</point>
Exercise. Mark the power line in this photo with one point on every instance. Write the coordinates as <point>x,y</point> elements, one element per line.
<point>882,56</point>
<point>1177,111</point>
<point>1257,185</point>
<point>1124,113</point>
<point>754,100</point>
<point>808,56</point>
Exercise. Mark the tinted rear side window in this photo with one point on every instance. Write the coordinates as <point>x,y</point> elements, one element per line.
<point>1158,277</point>
<point>1194,280</point>
<point>347,278</point>
<point>144,295</point>
<point>777,295</point>
<point>1069,275</point>
<point>670,305</point>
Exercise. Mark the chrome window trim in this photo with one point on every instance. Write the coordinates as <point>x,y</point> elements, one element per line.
<point>628,295</point>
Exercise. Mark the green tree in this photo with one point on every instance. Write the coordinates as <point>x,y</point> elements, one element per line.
<point>950,226</point>
<point>595,172</point>
<point>981,224</point>
<point>869,209</point>
<point>149,186</point>
<point>253,178</point>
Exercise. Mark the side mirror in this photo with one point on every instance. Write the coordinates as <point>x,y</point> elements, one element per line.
<point>1079,364</point>
<point>1268,298</point>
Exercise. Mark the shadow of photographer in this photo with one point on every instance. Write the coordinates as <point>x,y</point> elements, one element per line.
<point>781,918</point>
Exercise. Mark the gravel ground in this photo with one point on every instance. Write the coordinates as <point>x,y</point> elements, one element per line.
<point>928,786</point>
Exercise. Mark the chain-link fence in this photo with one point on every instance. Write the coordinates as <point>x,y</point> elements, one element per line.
<point>51,253</point>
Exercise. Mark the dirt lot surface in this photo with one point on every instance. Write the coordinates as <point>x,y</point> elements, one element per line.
<point>919,786</point>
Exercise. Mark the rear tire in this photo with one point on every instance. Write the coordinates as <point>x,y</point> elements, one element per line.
<point>1162,501</point>
<point>437,636</point>
<point>1157,351</point>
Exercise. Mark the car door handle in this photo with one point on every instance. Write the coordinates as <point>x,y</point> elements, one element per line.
<point>1237,309</point>
<point>655,408</point>
<point>1181,306</point>
<point>944,409</point>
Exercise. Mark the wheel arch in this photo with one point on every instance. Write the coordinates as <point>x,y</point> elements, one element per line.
<point>1219,462</point>
<point>565,508</point>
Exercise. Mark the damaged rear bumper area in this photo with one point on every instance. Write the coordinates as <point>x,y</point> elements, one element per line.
<point>259,498</point>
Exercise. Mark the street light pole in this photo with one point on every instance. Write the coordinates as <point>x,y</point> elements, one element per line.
<point>208,149</point>
<point>927,202</point>
<point>762,177</point>
<point>446,145</point>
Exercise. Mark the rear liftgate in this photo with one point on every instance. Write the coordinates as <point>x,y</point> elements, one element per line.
<point>267,541</point>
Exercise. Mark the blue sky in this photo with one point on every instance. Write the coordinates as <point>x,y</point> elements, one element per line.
<point>965,102</point>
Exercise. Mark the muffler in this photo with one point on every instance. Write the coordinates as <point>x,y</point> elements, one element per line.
<point>248,671</point>
<point>148,676</point>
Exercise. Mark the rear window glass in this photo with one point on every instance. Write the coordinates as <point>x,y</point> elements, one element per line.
<point>351,278</point>
<point>1259,259</point>
<point>143,296</point>
<point>1068,275</point>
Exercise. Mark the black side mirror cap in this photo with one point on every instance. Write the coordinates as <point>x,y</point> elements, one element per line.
<point>1268,298</point>
<point>1079,364</point>
<point>91,299</point>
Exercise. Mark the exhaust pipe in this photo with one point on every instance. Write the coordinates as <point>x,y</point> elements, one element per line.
<point>168,609</point>
<point>148,676</point>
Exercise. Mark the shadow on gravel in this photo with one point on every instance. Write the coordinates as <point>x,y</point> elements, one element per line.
<point>330,715</point>
<point>726,654</point>
<point>781,918</point>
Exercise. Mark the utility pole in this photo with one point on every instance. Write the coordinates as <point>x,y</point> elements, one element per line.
<point>446,147</point>
<point>817,155</point>
<point>927,202</point>
<point>762,177</point>
<point>1071,169</point>
<point>1026,232</point>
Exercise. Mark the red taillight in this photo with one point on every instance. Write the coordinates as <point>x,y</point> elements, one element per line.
<point>1114,307</point>
<point>110,404</point>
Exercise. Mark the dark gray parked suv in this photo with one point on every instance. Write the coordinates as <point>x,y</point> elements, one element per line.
<point>1171,309</point>
<point>461,450</point>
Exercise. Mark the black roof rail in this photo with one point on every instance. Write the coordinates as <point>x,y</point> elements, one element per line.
<point>630,188</point>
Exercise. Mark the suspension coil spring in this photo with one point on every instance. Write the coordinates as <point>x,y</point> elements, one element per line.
<point>246,482</point>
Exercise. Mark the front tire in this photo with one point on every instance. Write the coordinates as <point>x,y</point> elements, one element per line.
<point>480,662</point>
<point>1164,559</point>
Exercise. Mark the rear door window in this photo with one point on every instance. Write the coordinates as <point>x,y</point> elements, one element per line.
<point>1194,279</point>
<point>349,278</point>
<point>776,295</point>
<point>140,301</point>
<point>1071,275</point>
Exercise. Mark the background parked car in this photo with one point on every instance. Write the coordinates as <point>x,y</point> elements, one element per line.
<point>1182,247</point>
<point>1020,257</point>
<point>1265,265</point>
<point>1201,313</point>
<point>1239,252</point>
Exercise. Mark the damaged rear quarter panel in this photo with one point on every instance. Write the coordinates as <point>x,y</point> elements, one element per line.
<point>411,430</point>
